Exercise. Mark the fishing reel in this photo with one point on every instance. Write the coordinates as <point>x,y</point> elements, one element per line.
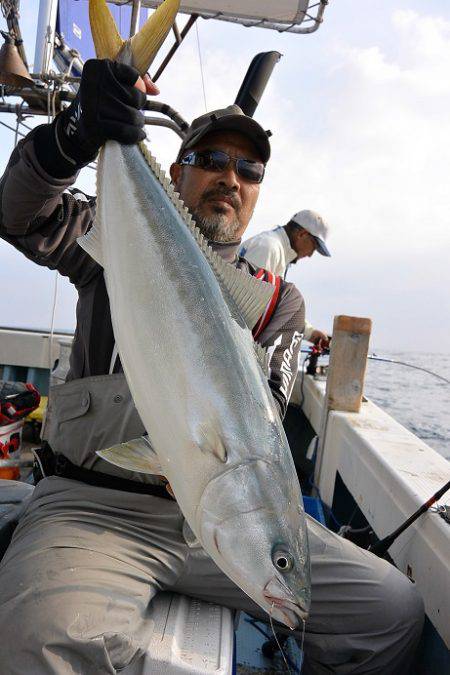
<point>313,368</point>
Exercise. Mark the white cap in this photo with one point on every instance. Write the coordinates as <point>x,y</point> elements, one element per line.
<point>315,225</point>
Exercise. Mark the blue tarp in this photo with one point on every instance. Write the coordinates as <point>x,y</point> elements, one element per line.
<point>73,24</point>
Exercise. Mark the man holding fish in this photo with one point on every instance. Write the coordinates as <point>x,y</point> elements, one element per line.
<point>98,539</point>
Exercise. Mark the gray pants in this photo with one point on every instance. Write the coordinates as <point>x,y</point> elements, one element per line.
<point>77,582</point>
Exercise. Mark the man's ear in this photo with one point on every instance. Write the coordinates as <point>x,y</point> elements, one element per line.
<point>175,172</point>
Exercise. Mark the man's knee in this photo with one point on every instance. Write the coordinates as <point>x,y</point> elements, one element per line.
<point>62,636</point>
<point>401,608</point>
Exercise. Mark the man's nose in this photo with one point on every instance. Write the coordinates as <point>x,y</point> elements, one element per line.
<point>229,178</point>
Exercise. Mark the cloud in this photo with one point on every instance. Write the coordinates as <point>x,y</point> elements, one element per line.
<point>378,172</point>
<point>362,135</point>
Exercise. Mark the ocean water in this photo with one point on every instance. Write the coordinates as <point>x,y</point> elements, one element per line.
<point>417,400</point>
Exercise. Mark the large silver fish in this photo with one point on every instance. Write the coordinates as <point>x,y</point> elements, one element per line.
<point>181,319</point>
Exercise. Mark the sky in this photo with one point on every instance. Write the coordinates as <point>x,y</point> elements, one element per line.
<point>361,134</point>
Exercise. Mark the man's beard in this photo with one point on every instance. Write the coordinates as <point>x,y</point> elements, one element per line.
<point>217,227</point>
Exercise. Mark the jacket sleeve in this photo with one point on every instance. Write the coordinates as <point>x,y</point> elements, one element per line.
<point>282,339</point>
<point>309,330</point>
<point>42,217</point>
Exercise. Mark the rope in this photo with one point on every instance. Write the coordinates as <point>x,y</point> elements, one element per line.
<point>54,100</point>
<point>52,322</point>
<point>11,128</point>
<point>254,622</point>
<point>302,382</point>
<point>27,126</point>
<point>9,8</point>
<point>51,113</point>
<point>303,635</point>
<point>16,133</point>
<point>201,66</point>
<point>288,670</point>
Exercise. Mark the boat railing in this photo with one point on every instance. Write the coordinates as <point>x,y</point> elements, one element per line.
<point>388,470</point>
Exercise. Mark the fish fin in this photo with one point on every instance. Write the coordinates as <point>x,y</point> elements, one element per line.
<point>106,37</point>
<point>92,242</point>
<point>249,295</point>
<point>189,537</point>
<point>210,442</point>
<point>146,43</point>
<point>135,455</point>
<point>263,357</point>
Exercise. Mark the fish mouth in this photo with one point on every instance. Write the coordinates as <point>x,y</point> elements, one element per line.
<point>291,611</point>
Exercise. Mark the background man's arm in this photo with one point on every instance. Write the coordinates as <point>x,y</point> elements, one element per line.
<point>309,330</point>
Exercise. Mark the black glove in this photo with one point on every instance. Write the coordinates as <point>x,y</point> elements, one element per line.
<point>107,107</point>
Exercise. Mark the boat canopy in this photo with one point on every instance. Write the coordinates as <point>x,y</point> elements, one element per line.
<point>281,15</point>
<point>66,22</point>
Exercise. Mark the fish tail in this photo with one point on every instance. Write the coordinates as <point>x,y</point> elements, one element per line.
<point>144,45</point>
<point>106,37</point>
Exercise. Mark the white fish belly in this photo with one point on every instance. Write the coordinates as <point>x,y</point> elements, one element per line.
<point>195,380</point>
<point>188,364</point>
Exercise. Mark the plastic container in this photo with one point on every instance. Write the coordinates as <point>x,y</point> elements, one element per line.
<point>314,508</point>
<point>189,637</point>
<point>10,443</point>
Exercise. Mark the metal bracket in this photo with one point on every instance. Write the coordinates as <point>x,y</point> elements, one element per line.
<point>178,40</point>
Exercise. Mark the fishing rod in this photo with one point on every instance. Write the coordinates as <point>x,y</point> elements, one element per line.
<point>317,351</point>
<point>375,357</point>
<point>381,547</point>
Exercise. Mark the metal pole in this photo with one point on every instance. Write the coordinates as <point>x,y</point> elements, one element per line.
<point>176,32</point>
<point>12,21</point>
<point>45,35</point>
<point>318,20</point>
<point>135,13</point>
<point>168,124</point>
<point>192,19</point>
<point>175,123</point>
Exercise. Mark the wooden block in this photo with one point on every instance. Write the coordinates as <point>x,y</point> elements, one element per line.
<point>346,373</point>
<point>348,362</point>
<point>352,324</point>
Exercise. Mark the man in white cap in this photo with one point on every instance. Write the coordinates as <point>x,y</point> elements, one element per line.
<point>275,250</point>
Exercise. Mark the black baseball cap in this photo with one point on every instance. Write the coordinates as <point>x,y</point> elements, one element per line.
<point>227,119</point>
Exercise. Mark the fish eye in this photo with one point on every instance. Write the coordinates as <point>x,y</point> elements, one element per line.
<point>282,560</point>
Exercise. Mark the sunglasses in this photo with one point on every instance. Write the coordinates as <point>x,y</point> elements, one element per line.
<point>216,160</point>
